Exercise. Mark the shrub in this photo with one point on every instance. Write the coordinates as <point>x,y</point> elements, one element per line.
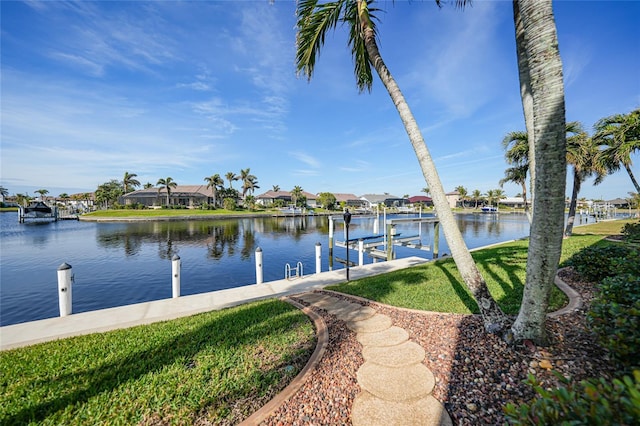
<point>631,232</point>
<point>615,317</point>
<point>591,402</point>
<point>595,263</point>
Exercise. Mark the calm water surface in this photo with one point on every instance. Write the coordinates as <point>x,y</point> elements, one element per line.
<point>123,263</point>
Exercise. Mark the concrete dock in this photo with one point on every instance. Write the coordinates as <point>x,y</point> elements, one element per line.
<point>28,333</point>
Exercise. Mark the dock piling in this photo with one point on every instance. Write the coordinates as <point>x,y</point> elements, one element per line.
<point>65,279</point>
<point>259,276</point>
<point>175,276</point>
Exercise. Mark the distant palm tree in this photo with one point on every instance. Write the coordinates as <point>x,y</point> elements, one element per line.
<point>231,177</point>
<point>296,193</point>
<point>64,197</point>
<point>276,188</point>
<point>148,185</point>
<point>167,184</point>
<point>4,192</point>
<point>214,182</point>
<point>518,175</point>
<point>462,193</point>
<point>249,181</point>
<point>23,200</point>
<point>620,135</point>
<point>476,195</point>
<point>42,193</point>
<point>128,182</point>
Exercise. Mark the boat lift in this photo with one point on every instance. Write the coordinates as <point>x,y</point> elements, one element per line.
<point>380,246</point>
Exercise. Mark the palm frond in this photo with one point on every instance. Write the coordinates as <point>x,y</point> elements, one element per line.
<point>314,20</point>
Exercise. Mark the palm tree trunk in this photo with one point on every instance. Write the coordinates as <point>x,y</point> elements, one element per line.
<point>633,179</point>
<point>527,97</point>
<point>545,242</point>
<point>577,183</point>
<point>494,318</point>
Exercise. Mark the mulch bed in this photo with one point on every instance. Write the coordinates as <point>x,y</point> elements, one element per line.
<point>477,374</point>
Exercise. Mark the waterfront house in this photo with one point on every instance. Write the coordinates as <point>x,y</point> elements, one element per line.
<point>182,195</point>
<point>270,197</point>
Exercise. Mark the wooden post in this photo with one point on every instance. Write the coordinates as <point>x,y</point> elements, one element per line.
<point>389,241</point>
<point>360,252</point>
<point>436,239</point>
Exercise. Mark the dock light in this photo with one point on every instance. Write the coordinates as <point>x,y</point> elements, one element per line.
<point>347,222</point>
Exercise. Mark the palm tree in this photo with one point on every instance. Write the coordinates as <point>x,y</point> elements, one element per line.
<point>231,177</point>
<point>4,192</point>
<point>516,145</point>
<point>296,193</point>
<point>23,200</point>
<point>582,154</point>
<point>542,92</point>
<point>314,20</point>
<point>129,182</point>
<point>518,175</point>
<point>276,188</point>
<point>476,195</point>
<point>620,135</point>
<point>462,193</point>
<point>215,182</point>
<point>42,193</point>
<point>147,185</point>
<point>248,180</point>
<point>167,184</point>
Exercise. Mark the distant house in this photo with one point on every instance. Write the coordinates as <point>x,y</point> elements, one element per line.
<point>619,203</point>
<point>182,195</point>
<point>388,200</point>
<point>271,197</point>
<point>426,201</point>
<point>514,202</point>
<point>350,200</point>
<point>453,197</point>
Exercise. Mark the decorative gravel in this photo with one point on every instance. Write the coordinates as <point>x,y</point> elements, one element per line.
<point>477,374</point>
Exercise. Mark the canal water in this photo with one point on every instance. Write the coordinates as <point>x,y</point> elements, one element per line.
<point>117,264</point>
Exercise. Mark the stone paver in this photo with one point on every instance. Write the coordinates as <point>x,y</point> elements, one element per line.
<point>406,353</point>
<point>396,385</point>
<point>389,337</point>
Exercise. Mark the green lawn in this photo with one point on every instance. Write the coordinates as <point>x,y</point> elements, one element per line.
<point>437,286</point>
<point>219,365</point>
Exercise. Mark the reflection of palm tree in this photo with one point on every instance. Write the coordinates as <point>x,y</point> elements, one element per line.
<point>167,184</point>
<point>313,22</point>
<point>129,182</point>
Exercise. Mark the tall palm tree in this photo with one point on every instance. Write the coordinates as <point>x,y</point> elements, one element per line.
<point>129,182</point>
<point>215,182</point>
<point>42,193</point>
<point>620,136</point>
<point>516,145</point>
<point>314,20</point>
<point>249,181</point>
<point>168,184</point>
<point>542,92</point>
<point>230,176</point>
<point>582,154</point>
<point>296,193</point>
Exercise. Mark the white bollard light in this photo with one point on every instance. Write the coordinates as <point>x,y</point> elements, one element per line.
<point>360,252</point>
<point>65,278</point>
<point>258,265</point>
<point>175,276</point>
<point>318,258</point>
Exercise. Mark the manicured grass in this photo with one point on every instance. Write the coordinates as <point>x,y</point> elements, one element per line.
<point>220,366</point>
<point>170,212</point>
<point>609,227</point>
<point>437,286</point>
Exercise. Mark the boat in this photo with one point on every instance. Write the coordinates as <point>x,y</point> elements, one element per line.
<point>489,209</point>
<point>38,209</point>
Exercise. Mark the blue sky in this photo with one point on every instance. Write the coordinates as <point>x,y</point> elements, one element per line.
<point>189,89</point>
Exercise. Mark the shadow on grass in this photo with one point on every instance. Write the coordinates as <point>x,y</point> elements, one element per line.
<point>245,326</point>
<point>460,290</point>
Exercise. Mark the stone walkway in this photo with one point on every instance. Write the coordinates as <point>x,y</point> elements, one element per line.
<point>396,385</point>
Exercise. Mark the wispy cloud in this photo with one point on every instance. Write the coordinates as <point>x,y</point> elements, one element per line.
<point>310,161</point>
